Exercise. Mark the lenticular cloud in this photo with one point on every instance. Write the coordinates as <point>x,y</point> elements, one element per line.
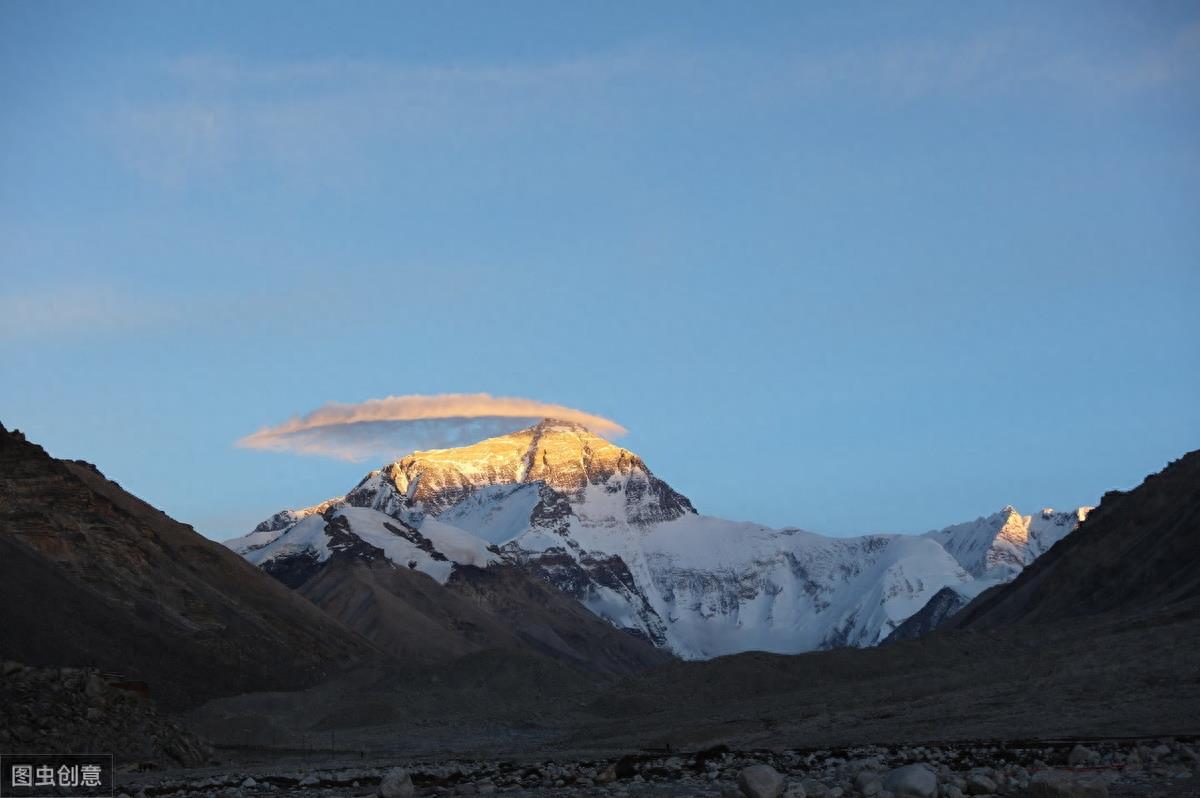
<point>398,424</point>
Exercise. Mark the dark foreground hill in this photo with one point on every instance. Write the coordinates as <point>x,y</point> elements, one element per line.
<point>1137,553</point>
<point>91,576</point>
<point>413,617</point>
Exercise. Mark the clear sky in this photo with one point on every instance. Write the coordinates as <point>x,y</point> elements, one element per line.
<point>877,267</point>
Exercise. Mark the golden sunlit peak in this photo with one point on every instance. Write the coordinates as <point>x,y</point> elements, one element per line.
<point>559,425</point>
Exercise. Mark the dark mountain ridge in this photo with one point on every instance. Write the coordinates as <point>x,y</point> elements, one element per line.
<point>409,614</point>
<point>1137,553</point>
<point>90,575</point>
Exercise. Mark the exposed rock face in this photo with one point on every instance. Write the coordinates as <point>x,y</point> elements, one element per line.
<point>940,608</point>
<point>77,711</point>
<point>92,576</point>
<point>410,614</point>
<point>591,519</point>
<point>431,594</point>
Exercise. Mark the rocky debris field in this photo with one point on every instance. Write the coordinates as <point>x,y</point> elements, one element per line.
<point>1166,767</point>
<point>76,710</point>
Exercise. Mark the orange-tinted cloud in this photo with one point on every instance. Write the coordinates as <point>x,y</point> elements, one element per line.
<point>396,424</point>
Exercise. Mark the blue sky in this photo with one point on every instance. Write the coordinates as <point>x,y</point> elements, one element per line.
<point>877,267</point>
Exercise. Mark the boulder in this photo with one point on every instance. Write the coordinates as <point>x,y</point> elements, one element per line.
<point>1081,756</point>
<point>396,783</point>
<point>911,781</point>
<point>979,784</point>
<point>814,788</point>
<point>867,782</point>
<point>760,781</point>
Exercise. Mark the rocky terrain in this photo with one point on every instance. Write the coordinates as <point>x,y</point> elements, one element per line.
<point>91,576</point>
<point>412,616</point>
<point>1063,769</point>
<point>936,613</point>
<point>72,710</point>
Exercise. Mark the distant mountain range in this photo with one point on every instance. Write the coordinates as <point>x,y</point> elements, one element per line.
<point>569,508</point>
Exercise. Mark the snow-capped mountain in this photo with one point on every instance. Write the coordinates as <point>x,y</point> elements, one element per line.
<point>592,519</point>
<point>435,549</point>
<point>999,546</point>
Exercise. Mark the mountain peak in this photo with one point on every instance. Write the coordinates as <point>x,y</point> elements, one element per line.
<point>599,479</point>
<point>550,425</point>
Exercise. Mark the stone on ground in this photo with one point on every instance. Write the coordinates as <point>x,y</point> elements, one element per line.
<point>979,784</point>
<point>1081,756</point>
<point>760,781</point>
<point>396,783</point>
<point>911,781</point>
<point>1056,784</point>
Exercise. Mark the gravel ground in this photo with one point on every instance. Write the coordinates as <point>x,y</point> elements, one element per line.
<point>1165,767</point>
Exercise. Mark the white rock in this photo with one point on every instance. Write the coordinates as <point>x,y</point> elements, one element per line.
<point>760,781</point>
<point>911,781</point>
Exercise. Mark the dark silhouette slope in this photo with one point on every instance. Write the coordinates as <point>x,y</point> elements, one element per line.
<point>93,576</point>
<point>1137,553</point>
<point>410,615</point>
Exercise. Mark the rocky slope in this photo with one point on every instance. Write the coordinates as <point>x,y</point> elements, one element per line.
<point>91,576</point>
<point>591,519</point>
<point>79,711</point>
<point>1136,554</point>
<point>940,609</point>
<point>437,593</point>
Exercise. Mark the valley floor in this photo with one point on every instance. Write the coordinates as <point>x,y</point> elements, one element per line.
<point>1159,767</point>
<point>1130,678</point>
